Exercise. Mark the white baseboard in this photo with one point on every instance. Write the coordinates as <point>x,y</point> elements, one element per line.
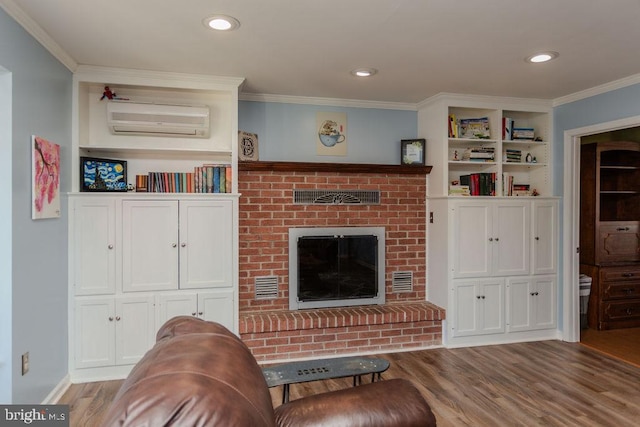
<point>58,391</point>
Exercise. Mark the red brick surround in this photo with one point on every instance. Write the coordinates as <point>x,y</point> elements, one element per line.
<point>266,214</point>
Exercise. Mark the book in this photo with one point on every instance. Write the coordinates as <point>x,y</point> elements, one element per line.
<point>523,133</point>
<point>507,129</point>
<point>475,128</point>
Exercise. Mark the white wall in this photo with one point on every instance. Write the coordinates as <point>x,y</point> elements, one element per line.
<point>36,281</point>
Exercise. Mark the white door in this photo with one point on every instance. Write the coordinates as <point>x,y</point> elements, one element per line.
<point>135,328</point>
<point>478,307</point>
<point>176,304</point>
<point>150,245</point>
<point>218,306</point>
<point>206,244</point>
<point>94,246</point>
<point>511,238</point>
<point>94,332</point>
<point>545,302</point>
<point>520,296</point>
<point>545,235</point>
<point>471,248</point>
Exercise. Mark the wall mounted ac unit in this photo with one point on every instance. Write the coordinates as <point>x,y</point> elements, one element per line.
<point>140,118</point>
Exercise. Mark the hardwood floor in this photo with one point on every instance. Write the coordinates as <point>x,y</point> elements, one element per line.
<point>548,383</point>
<point>623,344</point>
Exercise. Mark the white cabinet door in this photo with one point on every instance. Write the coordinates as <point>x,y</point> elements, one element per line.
<point>176,304</point>
<point>545,236</point>
<point>545,302</point>
<point>531,303</point>
<point>511,238</point>
<point>478,307</point>
<point>150,245</point>
<point>94,245</point>
<point>206,244</point>
<point>217,306</point>
<point>135,328</point>
<point>94,332</point>
<point>471,248</point>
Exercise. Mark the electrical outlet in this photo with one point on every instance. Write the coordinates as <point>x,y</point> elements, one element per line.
<point>25,363</point>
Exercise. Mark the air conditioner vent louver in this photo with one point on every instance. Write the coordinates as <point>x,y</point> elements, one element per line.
<point>266,287</point>
<point>402,281</point>
<point>139,118</point>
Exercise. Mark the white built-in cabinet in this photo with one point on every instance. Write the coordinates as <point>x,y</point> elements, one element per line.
<point>136,259</point>
<point>492,265</point>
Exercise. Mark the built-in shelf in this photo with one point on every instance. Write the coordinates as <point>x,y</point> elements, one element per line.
<point>332,167</point>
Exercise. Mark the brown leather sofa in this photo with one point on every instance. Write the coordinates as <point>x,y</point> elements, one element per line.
<point>200,374</point>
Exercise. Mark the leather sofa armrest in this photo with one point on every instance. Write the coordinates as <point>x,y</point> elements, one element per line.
<point>388,403</point>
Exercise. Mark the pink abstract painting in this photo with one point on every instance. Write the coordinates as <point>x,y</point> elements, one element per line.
<point>45,178</point>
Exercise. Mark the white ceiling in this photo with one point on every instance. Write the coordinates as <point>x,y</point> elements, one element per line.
<point>308,47</point>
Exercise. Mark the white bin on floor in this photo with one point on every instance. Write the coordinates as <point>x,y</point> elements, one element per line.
<point>585,291</point>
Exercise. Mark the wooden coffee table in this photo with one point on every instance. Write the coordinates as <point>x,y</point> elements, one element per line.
<point>323,369</point>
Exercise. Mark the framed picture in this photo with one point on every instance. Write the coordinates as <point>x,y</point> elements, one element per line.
<point>102,174</point>
<point>45,178</point>
<point>247,146</point>
<point>412,152</point>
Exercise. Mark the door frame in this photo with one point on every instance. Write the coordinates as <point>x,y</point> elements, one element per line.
<point>571,221</point>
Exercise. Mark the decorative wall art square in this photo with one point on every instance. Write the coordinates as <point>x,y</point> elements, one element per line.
<point>247,146</point>
<point>102,174</point>
<point>45,178</point>
<point>331,139</point>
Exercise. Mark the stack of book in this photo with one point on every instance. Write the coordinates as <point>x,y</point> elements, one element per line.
<point>479,154</point>
<point>459,190</point>
<point>203,179</point>
<point>512,156</point>
<point>521,190</point>
<point>480,184</point>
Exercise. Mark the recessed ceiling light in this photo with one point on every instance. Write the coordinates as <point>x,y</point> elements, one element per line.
<point>364,72</point>
<point>221,22</point>
<point>542,57</point>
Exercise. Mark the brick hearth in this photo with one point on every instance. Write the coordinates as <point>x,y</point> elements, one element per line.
<point>266,214</point>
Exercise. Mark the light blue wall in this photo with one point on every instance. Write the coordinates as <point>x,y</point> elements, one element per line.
<point>615,105</point>
<point>287,132</point>
<point>37,281</point>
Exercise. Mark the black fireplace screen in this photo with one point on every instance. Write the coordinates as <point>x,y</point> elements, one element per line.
<point>337,267</point>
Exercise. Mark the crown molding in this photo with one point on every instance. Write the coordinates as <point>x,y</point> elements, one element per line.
<point>334,102</point>
<point>39,34</point>
<point>598,90</point>
<point>486,101</point>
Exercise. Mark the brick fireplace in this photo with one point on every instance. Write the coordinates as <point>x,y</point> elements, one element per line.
<point>267,212</point>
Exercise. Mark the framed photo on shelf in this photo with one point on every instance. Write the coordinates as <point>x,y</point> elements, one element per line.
<point>412,152</point>
<point>102,174</point>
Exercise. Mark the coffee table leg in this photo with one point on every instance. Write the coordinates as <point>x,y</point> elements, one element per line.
<point>285,393</point>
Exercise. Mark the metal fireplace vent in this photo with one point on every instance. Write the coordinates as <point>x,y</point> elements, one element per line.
<point>336,197</point>
<point>402,281</point>
<point>266,287</point>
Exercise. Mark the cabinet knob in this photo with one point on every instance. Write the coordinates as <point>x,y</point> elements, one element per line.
<point>183,245</point>
<point>110,246</point>
<point>117,318</point>
<point>175,245</point>
<point>110,318</point>
<point>537,238</point>
<point>194,313</point>
<point>491,239</point>
<point>629,311</point>
<point>497,239</point>
<point>622,229</point>
<point>199,313</point>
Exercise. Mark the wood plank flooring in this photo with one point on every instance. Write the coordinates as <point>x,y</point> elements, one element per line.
<point>620,343</point>
<point>549,383</point>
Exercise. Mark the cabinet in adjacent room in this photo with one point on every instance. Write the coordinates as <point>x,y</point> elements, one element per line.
<point>610,231</point>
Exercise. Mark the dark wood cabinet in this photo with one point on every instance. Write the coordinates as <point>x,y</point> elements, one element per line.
<point>610,232</point>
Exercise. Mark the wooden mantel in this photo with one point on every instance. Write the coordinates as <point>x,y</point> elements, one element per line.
<point>332,167</point>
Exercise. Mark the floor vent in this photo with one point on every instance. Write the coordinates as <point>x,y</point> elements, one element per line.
<point>336,197</point>
<point>266,287</point>
<point>402,281</point>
